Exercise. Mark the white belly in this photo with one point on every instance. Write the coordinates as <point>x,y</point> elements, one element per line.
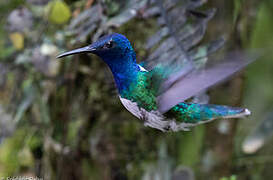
<point>153,119</point>
<point>134,109</point>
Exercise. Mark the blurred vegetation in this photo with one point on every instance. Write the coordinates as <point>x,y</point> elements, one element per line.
<point>61,119</point>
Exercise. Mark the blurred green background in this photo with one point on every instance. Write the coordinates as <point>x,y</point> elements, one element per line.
<point>62,120</point>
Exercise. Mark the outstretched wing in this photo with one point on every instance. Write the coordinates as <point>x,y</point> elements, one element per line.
<point>173,48</point>
<point>197,81</point>
<point>178,57</point>
<point>165,74</point>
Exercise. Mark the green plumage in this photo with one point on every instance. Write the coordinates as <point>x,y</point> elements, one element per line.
<point>140,91</point>
<point>143,93</point>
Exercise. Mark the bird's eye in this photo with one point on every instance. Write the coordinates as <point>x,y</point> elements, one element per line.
<point>108,45</point>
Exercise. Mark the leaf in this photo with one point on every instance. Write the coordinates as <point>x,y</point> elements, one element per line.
<point>59,12</point>
<point>17,40</point>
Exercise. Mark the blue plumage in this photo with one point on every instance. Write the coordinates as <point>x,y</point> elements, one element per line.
<point>120,57</point>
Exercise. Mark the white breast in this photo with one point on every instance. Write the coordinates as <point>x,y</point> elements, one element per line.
<point>152,119</point>
<point>132,107</point>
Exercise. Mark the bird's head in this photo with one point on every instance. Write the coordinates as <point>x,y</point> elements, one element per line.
<point>116,51</point>
<point>113,48</point>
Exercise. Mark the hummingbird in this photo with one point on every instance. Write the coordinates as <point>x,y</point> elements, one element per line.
<point>158,96</point>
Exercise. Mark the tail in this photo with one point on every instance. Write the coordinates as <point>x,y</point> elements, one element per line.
<point>194,114</point>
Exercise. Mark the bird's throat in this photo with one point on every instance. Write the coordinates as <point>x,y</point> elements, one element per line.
<point>125,73</point>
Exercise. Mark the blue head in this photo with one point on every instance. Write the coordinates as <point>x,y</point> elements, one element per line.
<point>116,51</point>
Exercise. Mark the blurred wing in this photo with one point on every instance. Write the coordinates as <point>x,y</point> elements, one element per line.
<point>165,74</point>
<point>174,51</point>
<point>198,81</point>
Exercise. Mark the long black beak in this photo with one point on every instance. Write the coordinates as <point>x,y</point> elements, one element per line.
<point>87,49</point>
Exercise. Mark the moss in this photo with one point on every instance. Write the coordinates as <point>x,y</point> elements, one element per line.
<point>15,154</point>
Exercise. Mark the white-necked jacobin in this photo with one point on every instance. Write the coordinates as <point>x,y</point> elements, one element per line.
<point>142,95</point>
